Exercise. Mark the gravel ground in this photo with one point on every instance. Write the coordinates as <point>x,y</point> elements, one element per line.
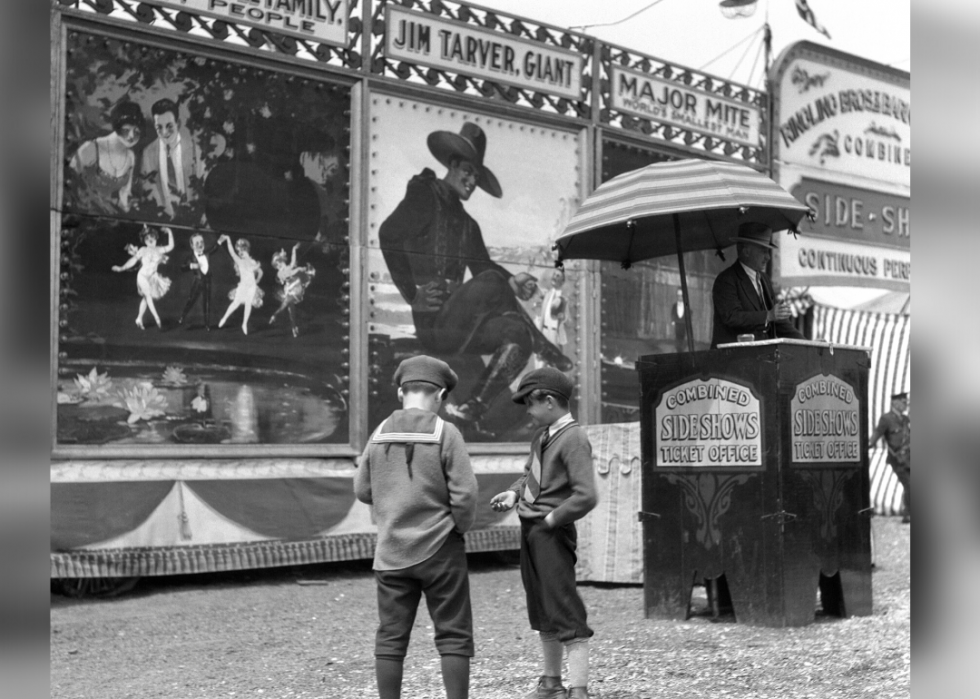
<point>308,632</point>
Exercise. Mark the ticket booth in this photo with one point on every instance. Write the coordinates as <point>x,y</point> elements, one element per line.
<point>755,472</point>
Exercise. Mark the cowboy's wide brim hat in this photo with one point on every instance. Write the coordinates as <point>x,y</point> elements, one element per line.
<point>470,144</point>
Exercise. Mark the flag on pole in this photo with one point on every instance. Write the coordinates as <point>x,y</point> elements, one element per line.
<point>807,14</point>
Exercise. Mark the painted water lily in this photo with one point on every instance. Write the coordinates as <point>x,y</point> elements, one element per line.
<point>174,375</point>
<point>144,402</point>
<point>94,386</point>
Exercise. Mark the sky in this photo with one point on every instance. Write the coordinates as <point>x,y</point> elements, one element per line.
<point>694,33</point>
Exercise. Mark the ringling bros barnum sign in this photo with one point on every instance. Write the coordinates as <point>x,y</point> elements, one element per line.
<point>669,102</point>
<point>842,145</point>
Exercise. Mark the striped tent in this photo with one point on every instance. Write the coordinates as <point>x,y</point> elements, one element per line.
<point>888,337</point>
<point>671,207</point>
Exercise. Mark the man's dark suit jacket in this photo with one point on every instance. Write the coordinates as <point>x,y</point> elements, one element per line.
<point>738,309</point>
<point>189,258</point>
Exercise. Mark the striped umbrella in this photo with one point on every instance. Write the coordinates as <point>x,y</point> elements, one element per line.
<point>632,216</point>
<point>674,207</point>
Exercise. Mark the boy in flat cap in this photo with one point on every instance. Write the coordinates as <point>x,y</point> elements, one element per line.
<point>416,474</point>
<point>894,426</point>
<point>557,488</point>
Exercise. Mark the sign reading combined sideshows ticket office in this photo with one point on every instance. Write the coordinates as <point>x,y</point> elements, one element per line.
<point>826,419</point>
<point>708,423</point>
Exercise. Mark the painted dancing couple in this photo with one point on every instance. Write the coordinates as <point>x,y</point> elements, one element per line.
<point>151,285</point>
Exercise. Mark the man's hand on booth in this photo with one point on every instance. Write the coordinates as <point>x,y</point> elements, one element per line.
<point>780,312</point>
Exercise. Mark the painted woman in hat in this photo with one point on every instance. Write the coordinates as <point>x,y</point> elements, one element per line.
<point>743,296</point>
<point>429,242</point>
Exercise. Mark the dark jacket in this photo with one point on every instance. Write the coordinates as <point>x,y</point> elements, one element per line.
<point>738,309</point>
<point>568,485</point>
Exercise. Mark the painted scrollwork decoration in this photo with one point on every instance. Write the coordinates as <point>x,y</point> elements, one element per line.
<point>828,496</point>
<point>708,496</point>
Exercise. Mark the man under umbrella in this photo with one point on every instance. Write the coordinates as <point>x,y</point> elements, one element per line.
<point>743,297</point>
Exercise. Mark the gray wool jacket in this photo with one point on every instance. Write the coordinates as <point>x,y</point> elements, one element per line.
<point>417,476</point>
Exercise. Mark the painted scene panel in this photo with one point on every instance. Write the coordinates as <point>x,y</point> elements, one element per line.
<point>464,211</point>
<point>195,337</point>
<point>163,136</point>
<point>204,281</point>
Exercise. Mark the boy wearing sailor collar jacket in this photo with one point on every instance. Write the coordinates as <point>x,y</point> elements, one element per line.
<point>416,474</point>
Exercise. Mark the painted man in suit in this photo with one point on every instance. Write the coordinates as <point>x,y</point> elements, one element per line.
<point>198,263</point>
<point>677,322</point>
<point>743,296</point>
<point>172,161</point>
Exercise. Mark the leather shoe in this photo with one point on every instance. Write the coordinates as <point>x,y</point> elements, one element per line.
<point>578,693</point>
<point>548,688</point>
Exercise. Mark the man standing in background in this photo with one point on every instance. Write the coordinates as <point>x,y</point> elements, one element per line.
<point>895,427</point>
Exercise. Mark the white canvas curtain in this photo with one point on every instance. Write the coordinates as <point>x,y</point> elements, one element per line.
<point>888,337</point>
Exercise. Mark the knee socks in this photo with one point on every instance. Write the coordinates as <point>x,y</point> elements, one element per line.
<point>456,676</point>
<point>388,670</point>
<point>551,651</point>
<point>578,662</point>
<point>578,658</point>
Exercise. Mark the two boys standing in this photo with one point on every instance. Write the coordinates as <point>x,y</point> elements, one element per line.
<point>417,475</point>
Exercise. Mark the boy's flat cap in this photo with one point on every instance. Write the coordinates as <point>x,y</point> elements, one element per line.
<point>546,378</point>
<point>425,368</point>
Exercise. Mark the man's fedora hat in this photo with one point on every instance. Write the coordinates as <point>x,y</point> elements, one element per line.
<point>755,233</point>
<point>469,144</point>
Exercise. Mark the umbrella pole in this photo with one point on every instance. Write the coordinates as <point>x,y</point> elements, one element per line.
<point>687,298</point>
